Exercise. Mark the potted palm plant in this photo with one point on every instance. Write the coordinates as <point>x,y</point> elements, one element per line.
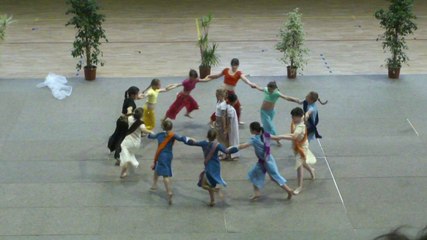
<point>88,24</point>
<point>398,23</point>
<point>291,44</point>
<point>208,53</point>
<point>4,22</point>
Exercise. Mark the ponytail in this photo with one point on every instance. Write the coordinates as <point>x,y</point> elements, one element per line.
<point>323,103</point>
<point>126,94</point>
<point>315,98</point>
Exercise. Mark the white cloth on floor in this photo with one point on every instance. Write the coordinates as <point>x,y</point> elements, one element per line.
<point>58,85</point>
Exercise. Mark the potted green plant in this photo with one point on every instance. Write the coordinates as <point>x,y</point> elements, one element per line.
<point>291,44</point>
<point>398,23</point>
<point>4,22</point>
<point>208,53</point>
<point>88,24</point>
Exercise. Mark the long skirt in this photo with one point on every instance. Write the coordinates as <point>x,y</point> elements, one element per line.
<point>220,127</point>
<point>209,182</point>
<point>310,159</point>
<point>233,135</point>
<point>149,117</point>
<point>257,173</point>
<point>182,100</point>
<point>129,149</point>
<point>267,117</point>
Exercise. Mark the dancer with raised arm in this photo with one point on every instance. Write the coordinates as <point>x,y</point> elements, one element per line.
<point>266,163</point>
<point>271,95</point>
<point>231,77</point>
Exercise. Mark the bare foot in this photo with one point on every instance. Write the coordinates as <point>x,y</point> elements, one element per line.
<point>290,193</point>
<point>241,123</point>
<point>297,190</point>
<point>170,195</point>
<point>313,174</point>
<point>220,193</point>
<point>254,197</point>
<point>188,115</point>
<point>124,172</point>
<point>279,143</point>
<point>117,162</point>
<point>211,204</point>
<point>153,188</point>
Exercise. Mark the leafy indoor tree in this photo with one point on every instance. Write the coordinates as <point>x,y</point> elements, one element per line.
<point>209,57</point>
<point>398,23</point>
<point>4,22</point>
<point>291,43</point>
<point>88,24</point>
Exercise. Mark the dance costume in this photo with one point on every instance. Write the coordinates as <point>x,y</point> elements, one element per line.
<point>121,128</point>
<point>267,116</point>
<point>232,81</point>
<point>212,173</point>
<point>130,145</point>
<point>149,116</point>
<point>221,109</point>
<point>163,158</point>
<point>312,121</point>
<point>184,99</point>
<point>266,162</point>
<point>300,145</point>
<point>233,129</point>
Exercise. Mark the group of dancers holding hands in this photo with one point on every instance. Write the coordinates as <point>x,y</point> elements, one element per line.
<point>222,140</point>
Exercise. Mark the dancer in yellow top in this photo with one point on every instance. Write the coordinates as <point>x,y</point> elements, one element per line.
<point>151,93</point>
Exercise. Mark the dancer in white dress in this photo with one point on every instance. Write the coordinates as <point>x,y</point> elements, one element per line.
<point>132,142</point>
<point>232,125</point>
<point>304,157</point>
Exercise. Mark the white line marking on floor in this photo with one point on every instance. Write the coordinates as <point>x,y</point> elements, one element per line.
<point>333,177</point>
<point>413,128</point>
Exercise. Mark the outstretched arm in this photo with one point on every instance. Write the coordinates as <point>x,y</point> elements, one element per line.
<point>290,136</point>
<point>291,99</point>
<point>244,145</point>
<point>169,87</point>
<point>213,76</point>
<point>258,88</point>
<point>245,80</point>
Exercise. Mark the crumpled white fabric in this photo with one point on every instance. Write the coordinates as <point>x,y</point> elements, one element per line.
<point>57,84</point>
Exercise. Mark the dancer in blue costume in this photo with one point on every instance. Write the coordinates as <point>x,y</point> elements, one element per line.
<point>271,95</point>
<point>162,164</point>
<point>311,115</point>
<point>266,162</point>
<point>211,176</point>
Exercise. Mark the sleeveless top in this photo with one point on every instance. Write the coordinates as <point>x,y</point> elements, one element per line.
<point>231,79</point>
<point>271,97</point>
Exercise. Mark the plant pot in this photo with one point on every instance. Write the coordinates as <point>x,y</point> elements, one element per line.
<point>292,72</point>
<point>393,72</point>
<point>204,71</point>
<point>90,73</point>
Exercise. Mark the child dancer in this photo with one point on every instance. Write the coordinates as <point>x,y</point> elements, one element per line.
<point>132,142</point>
<point>162,164</point>
<point>122,122</point>
<point>151,93</point>
<point>232,126</point>
<point>311,115</point>
<point>184,99</point>
<point>303,155</point>
<point>221,117</point>
<point>211,176</point>
<point>266,162</point>
<point>231,77</point>
<point>271,94</point>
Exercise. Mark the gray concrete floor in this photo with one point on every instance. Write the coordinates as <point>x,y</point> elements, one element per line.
<point>57,180</point>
